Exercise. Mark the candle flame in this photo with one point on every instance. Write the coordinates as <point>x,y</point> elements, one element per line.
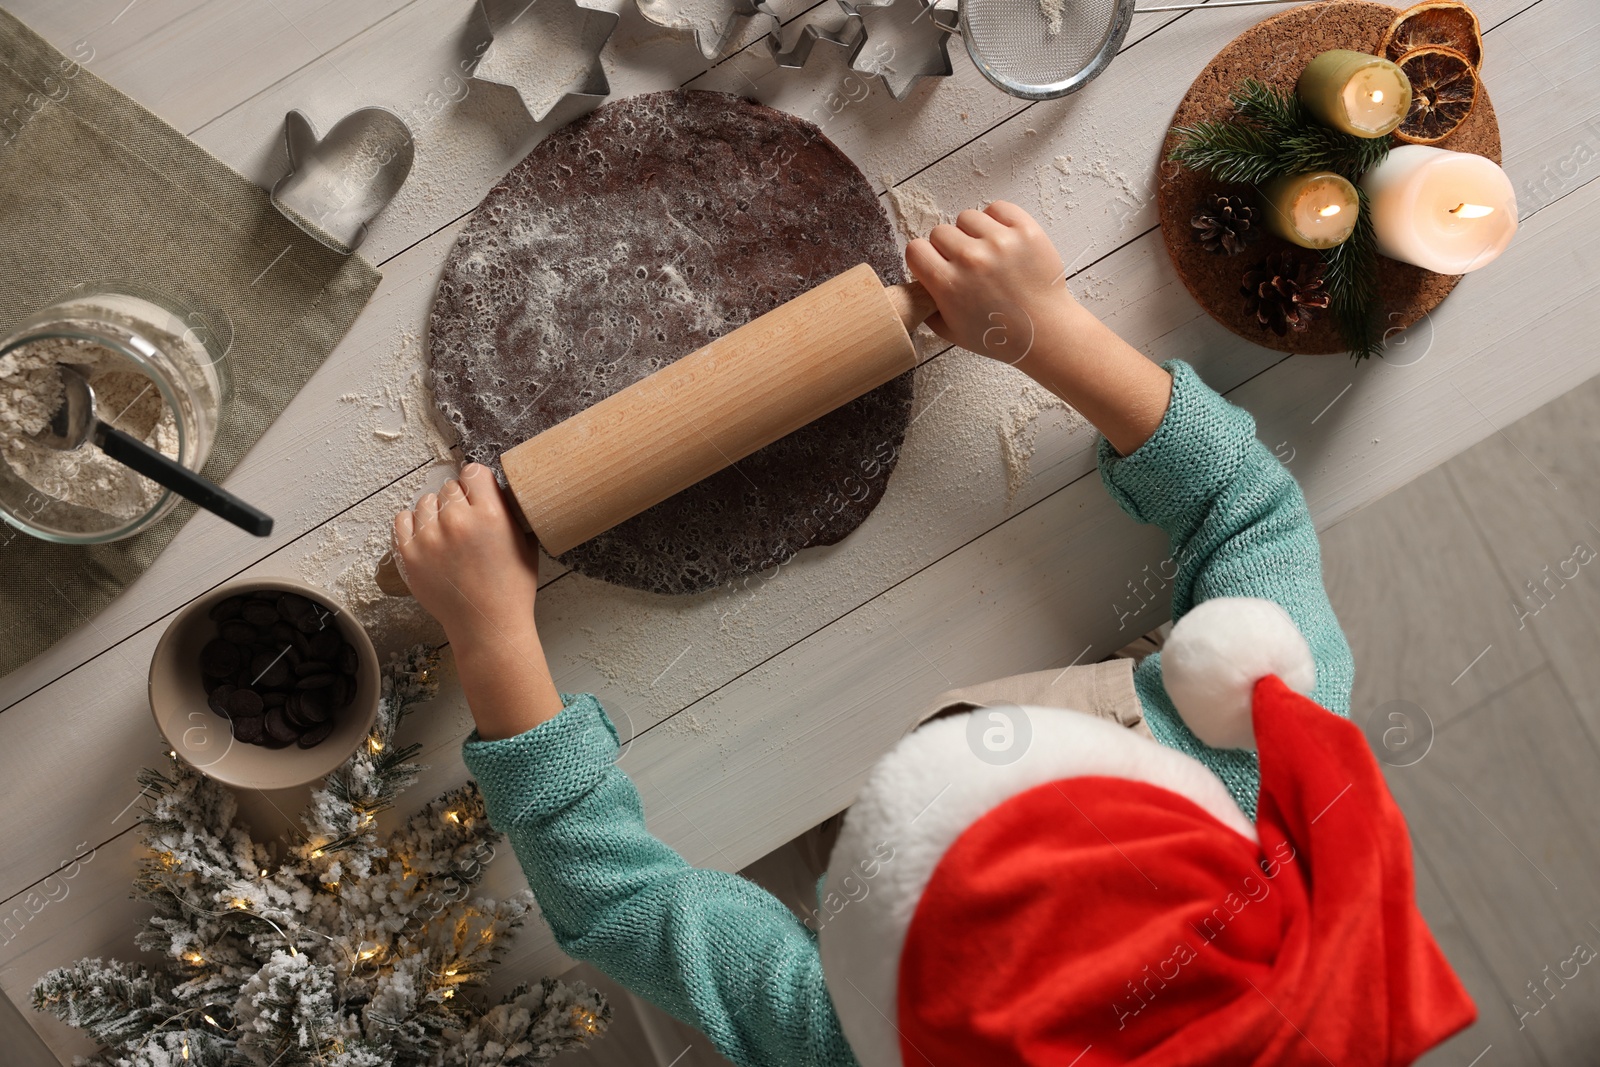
<point>1330,211</point>
<point>1471,211</point>
<point>1377,96</point>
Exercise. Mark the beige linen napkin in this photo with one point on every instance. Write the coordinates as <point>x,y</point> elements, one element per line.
<point>93,187</point>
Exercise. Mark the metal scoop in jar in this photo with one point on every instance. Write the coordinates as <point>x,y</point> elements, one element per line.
<point>75,424</point>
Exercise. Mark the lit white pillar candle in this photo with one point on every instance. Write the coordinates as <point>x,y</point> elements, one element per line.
<point>1448,212</point>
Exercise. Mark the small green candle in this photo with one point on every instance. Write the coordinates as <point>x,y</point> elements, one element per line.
<point>1316,210</point>
<point>1360,94</point>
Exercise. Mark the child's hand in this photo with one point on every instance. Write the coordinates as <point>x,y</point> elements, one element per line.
<point>996,278</point>
<point>999,286</point>
<point>467,561</point>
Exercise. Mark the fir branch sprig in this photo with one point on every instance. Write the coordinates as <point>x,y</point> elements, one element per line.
<point>1351,269</point>
<point>1270,135</point>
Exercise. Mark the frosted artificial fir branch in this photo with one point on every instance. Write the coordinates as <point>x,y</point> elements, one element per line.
<point>342,948</point>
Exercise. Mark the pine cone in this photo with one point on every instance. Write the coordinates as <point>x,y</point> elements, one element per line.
<point>1225,224</point>
<point>1284,292</point>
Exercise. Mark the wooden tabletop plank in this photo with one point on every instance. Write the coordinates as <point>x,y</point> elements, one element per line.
<point>190,60</point>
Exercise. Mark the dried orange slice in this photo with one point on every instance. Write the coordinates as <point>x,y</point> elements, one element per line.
<point>1439,24</point>
<point>1444,86</point>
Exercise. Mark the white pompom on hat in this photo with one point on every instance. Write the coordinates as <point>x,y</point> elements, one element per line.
<point>1218,652</point>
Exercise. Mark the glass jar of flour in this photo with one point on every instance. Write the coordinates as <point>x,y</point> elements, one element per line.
<point>159,371</point>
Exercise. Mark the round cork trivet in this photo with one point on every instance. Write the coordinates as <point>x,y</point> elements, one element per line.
<point>622,243</point>
<point>1275,51</point>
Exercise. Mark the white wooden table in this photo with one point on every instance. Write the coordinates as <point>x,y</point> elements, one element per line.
<point>786,690</point>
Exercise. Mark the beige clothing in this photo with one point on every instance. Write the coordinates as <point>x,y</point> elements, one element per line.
<point>790,872</point>
<point>1104,690</point>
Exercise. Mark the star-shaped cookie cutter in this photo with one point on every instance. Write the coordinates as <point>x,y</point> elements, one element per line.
<point>796,55</point>
<point>711,33</point>
<point>902,67</point>
<point>545,50</point>
<point>338,183</point>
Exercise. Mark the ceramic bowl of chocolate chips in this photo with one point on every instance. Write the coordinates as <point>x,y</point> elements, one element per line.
<point>264,683</point>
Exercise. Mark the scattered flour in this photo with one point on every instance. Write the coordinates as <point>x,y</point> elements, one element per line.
<point>394,419</point>
<point>1019,433</point>
<point>342,555</point>
<point>1092,287</point>
<point>30,392</point>
<point>915,209</point>
<point>397,408</point>
<point>1052,11</point>
<point>1060,179</point>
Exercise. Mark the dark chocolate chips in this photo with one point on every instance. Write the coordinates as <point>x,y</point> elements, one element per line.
<point>279,669</point>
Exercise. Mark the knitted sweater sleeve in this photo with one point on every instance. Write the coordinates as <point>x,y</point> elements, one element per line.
<point>711,948</point>
<point>1238,526</point>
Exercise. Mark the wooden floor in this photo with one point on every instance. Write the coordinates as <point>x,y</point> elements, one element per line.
<point>1466,596</point>
<point>750,735</point>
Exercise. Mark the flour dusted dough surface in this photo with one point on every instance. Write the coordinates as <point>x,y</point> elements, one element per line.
<point>628,240</point>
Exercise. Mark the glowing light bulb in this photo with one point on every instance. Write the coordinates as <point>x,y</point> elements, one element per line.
<point>1377,96</point>
<point>209,1019</point>
<point>185,1048</point>
<point>447,993</point>
<point>374,745</point>
<point>195,958</point>
<point>1330,211</point>
<point>239,902</point>
<point>450,971</point>
<point>368,953</point>
<point>1471,211</point>
<point>316,853</point>
<point>453,816</point>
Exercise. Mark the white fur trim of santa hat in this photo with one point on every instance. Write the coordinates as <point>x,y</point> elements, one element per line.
<point>919,799</point>
<point>1216,654</point>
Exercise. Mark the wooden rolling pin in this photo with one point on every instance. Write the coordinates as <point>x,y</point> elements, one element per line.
<point>708,410</point>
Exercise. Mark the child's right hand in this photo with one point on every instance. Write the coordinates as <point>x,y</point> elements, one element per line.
<point>997,280</point>
<point>467,561</point>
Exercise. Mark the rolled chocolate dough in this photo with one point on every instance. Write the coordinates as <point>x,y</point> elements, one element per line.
<point>629,239</point>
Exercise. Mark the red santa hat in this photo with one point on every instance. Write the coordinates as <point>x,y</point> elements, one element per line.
<point>1100,898</point>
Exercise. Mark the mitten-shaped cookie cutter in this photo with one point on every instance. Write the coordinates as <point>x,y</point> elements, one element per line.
<point>338,183</point>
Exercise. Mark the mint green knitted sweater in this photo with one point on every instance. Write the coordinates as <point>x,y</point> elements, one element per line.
<point>727,957</point>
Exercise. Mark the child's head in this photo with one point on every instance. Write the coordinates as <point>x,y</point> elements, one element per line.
<point>1101,895</point>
